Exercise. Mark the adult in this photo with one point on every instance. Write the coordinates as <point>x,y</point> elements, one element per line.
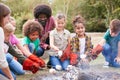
<point>4,18</point>
<point>42,14</point>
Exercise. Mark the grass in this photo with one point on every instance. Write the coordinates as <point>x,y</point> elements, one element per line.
<point>96,64</point>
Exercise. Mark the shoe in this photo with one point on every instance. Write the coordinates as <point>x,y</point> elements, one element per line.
<point>52,71</point>
<point>106,65</point>
<point>58,67</point>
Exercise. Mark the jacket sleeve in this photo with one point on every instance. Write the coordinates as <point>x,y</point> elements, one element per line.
<point>18,55</point>
<point>3,62</point>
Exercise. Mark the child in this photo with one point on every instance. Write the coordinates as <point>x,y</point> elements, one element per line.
<point>14,65</point>
<point>32,29</point>
<point>110,45</point>
<point>59,38</point>
<point>80,43</point>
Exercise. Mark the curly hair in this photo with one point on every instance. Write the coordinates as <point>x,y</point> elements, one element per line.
<point>78,19</point>
<point>42,9</point>
<point>31,26</point>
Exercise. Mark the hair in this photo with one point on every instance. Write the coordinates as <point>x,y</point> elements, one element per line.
<point>12,18</point>
<point>78,19</point>
<point>60,16</point>
<point>4,11</point>
<point>31,26</point>
<point>42,9</point>
<point>9,28</point>
<point>115,23</point>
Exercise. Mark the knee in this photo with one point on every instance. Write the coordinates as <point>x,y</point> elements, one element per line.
<point>106,47</point>
<point>39,52</point>
<point>65,64</point>
<point>9,57</point>
<point>31,47</point>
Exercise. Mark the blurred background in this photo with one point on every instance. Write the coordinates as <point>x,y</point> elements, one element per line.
<point>97,13</point>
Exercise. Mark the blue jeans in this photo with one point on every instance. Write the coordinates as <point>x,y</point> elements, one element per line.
<point>109,55</point>
<point>14,65</point>
<point>54,60</point>
<point>39,50</point>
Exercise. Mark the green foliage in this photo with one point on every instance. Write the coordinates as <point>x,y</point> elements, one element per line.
<point>97,13</point>
<point>21,20</point>
<point>69,27</point>
<point>96,26</point>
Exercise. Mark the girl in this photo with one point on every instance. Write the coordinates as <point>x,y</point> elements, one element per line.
<point>14,65</point>
<point>31,42</point>
<point>80,43</point>
<point>110,45</point>
<point>4,18</point>
<point>59,38</point>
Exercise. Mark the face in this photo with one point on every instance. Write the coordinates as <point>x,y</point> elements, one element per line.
<point>112,33</point>
<point>13,22</point>
<point>6,19</point>
<point>80,29</point>
<point>42,19</point>
<point>7,36</point>
<point>33,36</point>
<point>60,24</point>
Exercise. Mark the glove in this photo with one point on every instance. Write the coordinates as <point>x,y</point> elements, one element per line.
<point>30,65</point>
<point>37,60</point>
<point>73,58</point>
<point>66,53</point>
<point>97,49</point>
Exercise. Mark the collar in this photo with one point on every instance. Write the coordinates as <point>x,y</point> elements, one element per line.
<point>55,31</point>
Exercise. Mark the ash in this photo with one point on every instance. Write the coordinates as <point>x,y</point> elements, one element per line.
<point>82,71</point>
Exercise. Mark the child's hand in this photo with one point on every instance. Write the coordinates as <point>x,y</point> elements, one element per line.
<point>56,49</point>
<point>60,53</point>
<point>91,55</point>
<point>117,59</point>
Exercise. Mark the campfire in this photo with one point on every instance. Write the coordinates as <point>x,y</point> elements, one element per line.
<point>81,72</point>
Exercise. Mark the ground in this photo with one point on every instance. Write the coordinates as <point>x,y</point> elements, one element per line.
<point>96,64</point>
